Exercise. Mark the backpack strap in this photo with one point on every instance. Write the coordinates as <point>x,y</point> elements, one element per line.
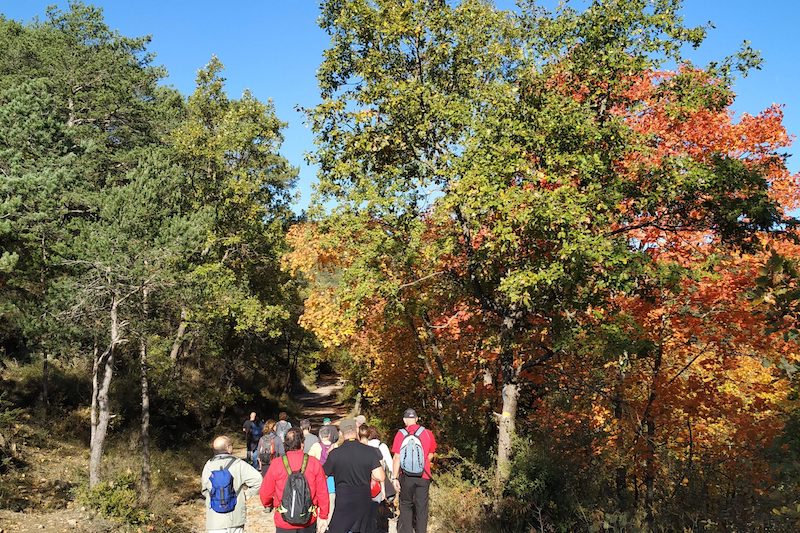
<point>286,465</point>
<point>404,432</point>
<point>419,431</point>
<point>305,462</point>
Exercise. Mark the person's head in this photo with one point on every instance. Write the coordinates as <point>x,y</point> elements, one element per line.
<point>222,444</point>
<point>283,416</point>
<point>373,433</point>
<point>360,420</point>
<point>348,429</point>
<point>326,421</point>
<point>293,439</point>
<point>253,416</point>
<point>305,425</point>
<point>363,433</point>
<point>326,434</point>
<point>269,426</point>
<point>409,417</point>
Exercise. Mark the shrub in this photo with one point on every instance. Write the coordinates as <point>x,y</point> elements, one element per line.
<point>460,500</point>
<point>115,499</point>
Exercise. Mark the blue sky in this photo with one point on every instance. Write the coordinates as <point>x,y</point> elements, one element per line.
<point>273,47</point>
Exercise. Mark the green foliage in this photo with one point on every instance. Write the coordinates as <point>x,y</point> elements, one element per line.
<point>459,500</point>
<point>115,499</point>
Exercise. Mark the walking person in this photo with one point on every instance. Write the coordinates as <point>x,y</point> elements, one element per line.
<point>352,465</point>
<point>326,422</point>
<point>413,449</point>
<point>227,482</point>
<point>253,430</point>
<point>283,425</point>
<point>320,451</point>
<point>377,492</point>
<point>386,502</point>
<point>309,439</point>
<point>269,447</point>
<point>300,501</point>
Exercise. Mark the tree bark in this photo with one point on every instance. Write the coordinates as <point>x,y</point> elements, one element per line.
<point>506,421</point>
<point>621,474</point>
<point>650,435</point>
<point>46,379</point>
<point>145,433</point>
<point>506,425</point>
<point>101,414</point>
<point>178,342</point>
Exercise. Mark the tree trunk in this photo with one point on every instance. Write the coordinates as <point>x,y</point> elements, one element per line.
<point>101,414</point>
<point>621,474</point>
<point>178,342</point>
<point>506,422</point>
<point>145,479</point>
<point>224,404</point>
<point>650,435</point>
<point>650,473</point>
<point>46,379</point>
<point>506,425</point>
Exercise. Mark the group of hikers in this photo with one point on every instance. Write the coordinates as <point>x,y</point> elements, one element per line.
<point>342,480</point>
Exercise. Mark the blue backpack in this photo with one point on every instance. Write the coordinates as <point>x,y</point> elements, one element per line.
<point>256,432</point>
<point>412,454</point>
<point>223,495</point>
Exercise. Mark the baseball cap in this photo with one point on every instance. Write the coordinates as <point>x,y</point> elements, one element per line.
<point>326,420</point>
<point>409,413</point>
<point>348,425</point>
<point>361,419</point>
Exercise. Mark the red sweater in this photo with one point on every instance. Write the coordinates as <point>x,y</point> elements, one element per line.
<point>275,480</point>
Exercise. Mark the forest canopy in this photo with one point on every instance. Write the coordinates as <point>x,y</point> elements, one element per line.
<point>547,230</point>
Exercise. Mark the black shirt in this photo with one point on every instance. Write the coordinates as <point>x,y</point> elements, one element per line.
<point>352,463</point>
<point>248,427</point>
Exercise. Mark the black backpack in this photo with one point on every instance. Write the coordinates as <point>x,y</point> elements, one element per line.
<point>296,506</point>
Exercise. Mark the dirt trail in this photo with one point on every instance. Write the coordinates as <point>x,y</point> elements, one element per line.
<point>189,508</point>
<point>316,405</point>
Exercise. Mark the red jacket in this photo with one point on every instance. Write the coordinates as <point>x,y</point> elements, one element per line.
<point>275,480</point>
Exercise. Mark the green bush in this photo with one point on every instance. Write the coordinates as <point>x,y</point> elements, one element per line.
<point>115,499</point>
<point>460,499</point>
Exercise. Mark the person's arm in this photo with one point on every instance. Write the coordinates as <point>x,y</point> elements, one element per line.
<point>267,487</point>
<point>387,457</point>
<point>396,467</point>
<point>205,483</point>
<point>251,478</point>
<point>330,463</point>
<point>378,470</point>
<point>378,473</point>
<point>323,500</point>
<point>433,448</point>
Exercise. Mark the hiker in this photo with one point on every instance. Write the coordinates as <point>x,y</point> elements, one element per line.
<point>386,507</point>
<point>252,433</point>
<point>227,482</point>
<point>300,501</point>
<point>413,449</point>
<point>370,522</point>
<point>326,422</point>
<point>352,465</point>
<point>283,425</point>
<point>320,451</point>
<point>309,439</point>
<point>269,447</point>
